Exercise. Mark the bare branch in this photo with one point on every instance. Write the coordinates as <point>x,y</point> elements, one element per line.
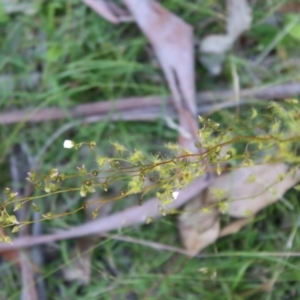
<point>128,217</point>
<point>149,108</point>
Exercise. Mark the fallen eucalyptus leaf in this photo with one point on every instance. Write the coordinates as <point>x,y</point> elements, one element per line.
<point>243,197</point>
<point>199,228</point>
<point>79,267</point>
<point>234,226</point>
<point>109,11</point>
<point>248,197</point>
<point>214,47</point>
<point>172,41</point>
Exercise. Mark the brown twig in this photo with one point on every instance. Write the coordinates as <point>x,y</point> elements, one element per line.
<point>116,221</point>
<point>131,216</point>
<point>149,108</point>
<point>18,168</point>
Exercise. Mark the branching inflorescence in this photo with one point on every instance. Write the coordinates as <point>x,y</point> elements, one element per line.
<point>268,136</point>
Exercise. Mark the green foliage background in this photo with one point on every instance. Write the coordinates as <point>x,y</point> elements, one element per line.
<point>78,57</point>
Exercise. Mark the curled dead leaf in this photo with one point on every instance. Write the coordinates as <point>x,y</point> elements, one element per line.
<point>12,256</point>
<point>250,196</point>
<point>79,267</point>
<point>213,47</point>
<point>248,190</point>
<point>198,229</point>
<point>234,226</point>
<point>109,11</point>
<point>172,41</point>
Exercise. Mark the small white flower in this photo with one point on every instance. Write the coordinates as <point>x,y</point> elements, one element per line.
<point>175,195</point>
<point>68,144</point>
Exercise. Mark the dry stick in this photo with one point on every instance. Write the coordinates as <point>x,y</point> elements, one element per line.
<point>28,291</point>
<point>128,217</point>
<point>148,108</point>
<point>150,208</point>
<point>109,11</point>
<point>35,262</point>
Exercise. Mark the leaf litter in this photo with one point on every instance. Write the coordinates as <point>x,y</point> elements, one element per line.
<point>172,41</point>
<point>213,47</point>
<point>245,199</point>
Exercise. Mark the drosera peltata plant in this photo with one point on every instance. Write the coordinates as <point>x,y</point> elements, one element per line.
<point>274,137</point>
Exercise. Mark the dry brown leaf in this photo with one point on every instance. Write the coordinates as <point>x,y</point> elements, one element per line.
<point>292,7</point>
<point>239,17</point>
<point>12,256</point>
<point>109,11</point>
<point>248,189</point>
<point>234,226</point>
<point>172,40</point>
<point>213,47</point>
<point>79,268</point>
<point>248,197</point>
<point>198,229</point>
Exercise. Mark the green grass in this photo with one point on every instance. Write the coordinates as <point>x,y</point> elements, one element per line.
<point>78,57</point>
